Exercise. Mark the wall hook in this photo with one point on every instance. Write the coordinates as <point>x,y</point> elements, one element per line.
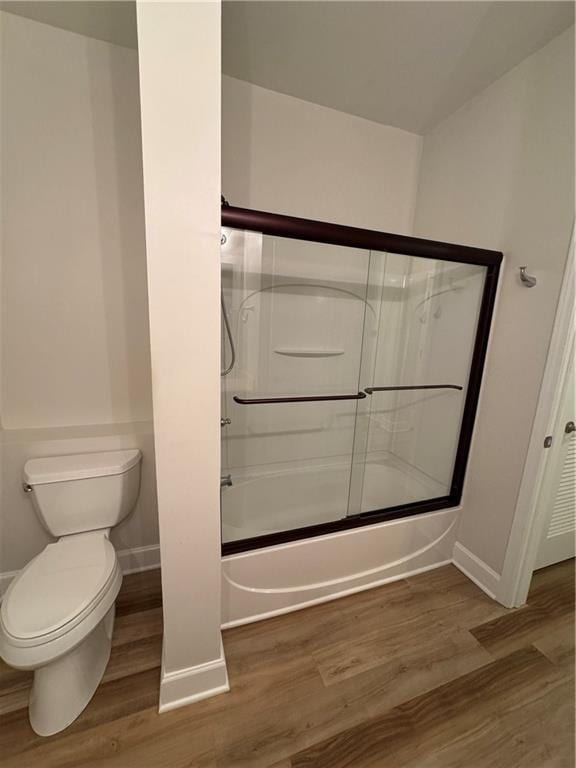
<point>527,280</point>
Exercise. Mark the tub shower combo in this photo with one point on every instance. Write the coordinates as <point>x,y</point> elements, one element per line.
<point>351,368</point>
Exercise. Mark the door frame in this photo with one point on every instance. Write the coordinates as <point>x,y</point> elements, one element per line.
<point>370,240</point>
<point>555,470</point>
<point>529,522</point>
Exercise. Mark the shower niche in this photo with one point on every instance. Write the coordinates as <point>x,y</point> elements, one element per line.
<point>351,363</point>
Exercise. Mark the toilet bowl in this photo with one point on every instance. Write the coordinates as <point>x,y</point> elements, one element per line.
<point>57,615</point>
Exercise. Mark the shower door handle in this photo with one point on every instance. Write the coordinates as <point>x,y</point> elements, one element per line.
<point>302,399</point>
<point>369,390</point>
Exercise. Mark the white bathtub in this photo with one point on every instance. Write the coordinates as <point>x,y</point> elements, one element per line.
<point>265,582</point>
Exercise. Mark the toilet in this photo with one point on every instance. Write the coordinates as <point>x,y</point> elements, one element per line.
<point>57,615</point>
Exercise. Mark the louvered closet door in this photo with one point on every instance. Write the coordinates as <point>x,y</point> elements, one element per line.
<point>559,487</point>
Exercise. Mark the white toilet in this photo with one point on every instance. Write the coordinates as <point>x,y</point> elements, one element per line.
<point>57,615</point>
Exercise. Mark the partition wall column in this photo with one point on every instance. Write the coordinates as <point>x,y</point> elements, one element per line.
<point>179,52</point>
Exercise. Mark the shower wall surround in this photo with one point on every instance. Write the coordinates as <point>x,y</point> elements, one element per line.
<point>297,315</point>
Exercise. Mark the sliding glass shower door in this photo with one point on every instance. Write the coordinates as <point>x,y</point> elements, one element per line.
<point>346,383</point>
<point>416,357</point>
<point>296,314</point>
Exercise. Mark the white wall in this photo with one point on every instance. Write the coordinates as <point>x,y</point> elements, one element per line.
<point>74,357</point>
<point>179,47</point>
<point>499,173</point>
<point>75,344</point>
<point>289,156</point>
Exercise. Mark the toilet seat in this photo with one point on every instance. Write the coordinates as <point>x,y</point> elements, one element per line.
<point>58,588</point>
<point>54,602</point>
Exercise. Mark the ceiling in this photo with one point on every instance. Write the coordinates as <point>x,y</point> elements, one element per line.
<point>401,63</point>
<point>113,22</point>
<point>406,64</point>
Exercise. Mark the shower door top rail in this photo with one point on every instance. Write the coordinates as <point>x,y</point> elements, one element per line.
<point>354,237</point>
<point>369,390</point>
<point>297,399</point>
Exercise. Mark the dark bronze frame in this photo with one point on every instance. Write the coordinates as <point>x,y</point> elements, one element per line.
<point>336,234</point>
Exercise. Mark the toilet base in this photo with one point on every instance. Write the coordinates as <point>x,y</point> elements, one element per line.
<point>63,688</point>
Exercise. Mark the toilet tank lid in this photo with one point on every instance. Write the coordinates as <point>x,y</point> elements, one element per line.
<point>58,469</point>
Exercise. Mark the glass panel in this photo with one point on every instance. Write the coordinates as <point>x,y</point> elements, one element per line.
<point>295,311</point>
<point>420,333</point>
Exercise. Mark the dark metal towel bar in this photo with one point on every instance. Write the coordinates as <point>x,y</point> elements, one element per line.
<point>303,399</point>
<point>321,398</point>
<point>369,390</point>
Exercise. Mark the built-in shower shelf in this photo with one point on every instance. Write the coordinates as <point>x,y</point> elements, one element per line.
<point>309,351</point>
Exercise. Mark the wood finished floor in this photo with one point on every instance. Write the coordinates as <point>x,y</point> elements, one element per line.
<point>422,673</point>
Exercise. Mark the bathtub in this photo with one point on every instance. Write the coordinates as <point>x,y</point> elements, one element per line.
<point>262,583</point>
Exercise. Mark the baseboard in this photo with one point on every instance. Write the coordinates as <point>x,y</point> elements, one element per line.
<point>131,561</point>
<point>139,559</point>
<point>476,570</point>
<point>185,686</point>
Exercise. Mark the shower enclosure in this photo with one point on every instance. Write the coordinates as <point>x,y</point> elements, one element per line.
<point>351,365</point>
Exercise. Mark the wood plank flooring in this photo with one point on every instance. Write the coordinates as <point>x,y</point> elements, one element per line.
<point>422,673</point>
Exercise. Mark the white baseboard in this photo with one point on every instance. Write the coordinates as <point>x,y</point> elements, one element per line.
<point>476,570</point>
<point>139,559</point>
<point>131,561</point>
<point>185,686</point>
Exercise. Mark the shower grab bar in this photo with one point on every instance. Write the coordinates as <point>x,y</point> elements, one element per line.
<point>369,390</point>
<point>303,399</point>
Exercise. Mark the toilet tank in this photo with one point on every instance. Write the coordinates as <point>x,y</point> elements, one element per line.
<point>83,492</point>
